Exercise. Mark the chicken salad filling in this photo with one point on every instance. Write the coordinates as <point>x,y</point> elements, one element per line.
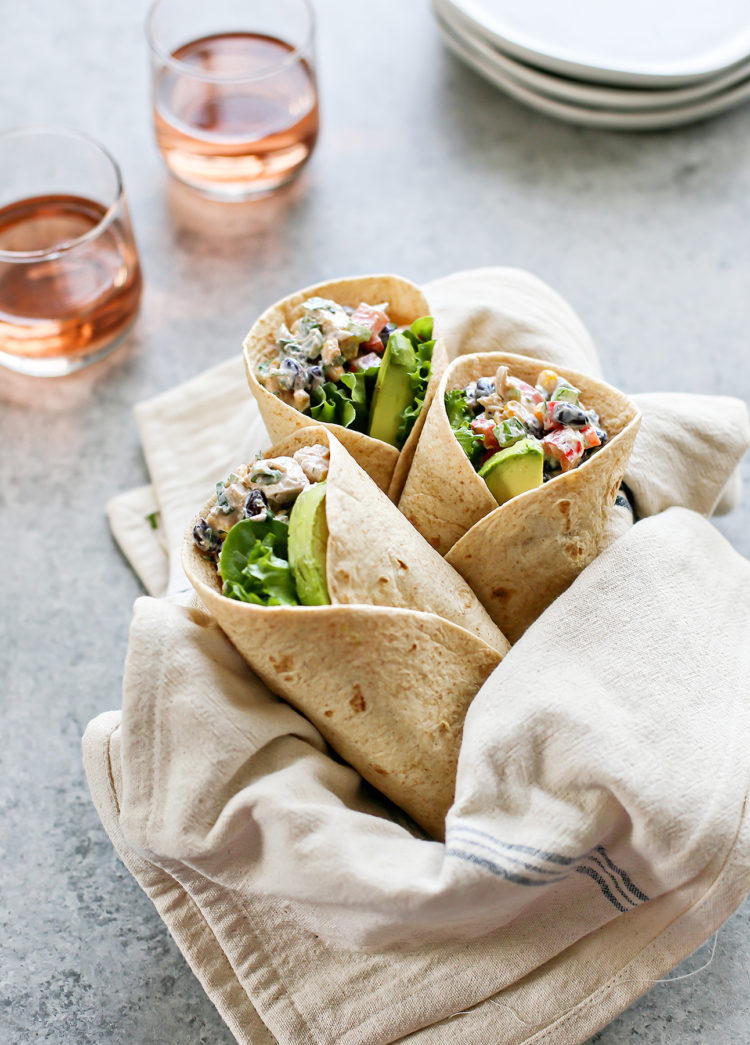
<point>353,367</point>
<point>267,531</point>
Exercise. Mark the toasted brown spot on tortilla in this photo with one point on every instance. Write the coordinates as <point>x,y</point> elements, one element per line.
<point>402,564</point>
<point>502,593</point>
<point>454,649</point>
<point>283,664</point>
<point>564,508</point>
<point>357,702</point>
<point>575,551</point>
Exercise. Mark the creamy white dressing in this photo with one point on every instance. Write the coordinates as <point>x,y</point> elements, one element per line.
<point>280,478</point>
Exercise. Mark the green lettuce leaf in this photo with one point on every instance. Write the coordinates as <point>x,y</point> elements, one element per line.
<point>420,336</point>
<point>458,410</point>
<point>422,328</point>
<point>347,401</point>
<point>460,416</point>
<point>253,564</point>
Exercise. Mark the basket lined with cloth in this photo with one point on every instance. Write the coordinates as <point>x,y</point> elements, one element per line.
<point>598,832</point>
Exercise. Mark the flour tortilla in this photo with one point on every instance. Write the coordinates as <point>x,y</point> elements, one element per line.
<point>520,556</point>
<point>406,302</point>
<point>387,672</point>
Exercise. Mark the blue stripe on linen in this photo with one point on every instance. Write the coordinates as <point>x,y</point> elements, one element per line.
<point>497,853</point>
<point>497,848</point>
<point>502,872</point>
<point>623,874</point>
<point>583,869</point>
<point>611,877</point>
<point>551,858</point>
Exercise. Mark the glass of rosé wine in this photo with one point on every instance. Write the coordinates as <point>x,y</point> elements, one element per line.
<point>70,280</point>
<point>235,102</point>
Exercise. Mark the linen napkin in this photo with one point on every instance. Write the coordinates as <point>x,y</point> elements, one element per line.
<point>598,833</point>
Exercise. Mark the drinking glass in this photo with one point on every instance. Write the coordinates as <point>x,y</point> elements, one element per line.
<point>70,281</point>
<point>235,101</point>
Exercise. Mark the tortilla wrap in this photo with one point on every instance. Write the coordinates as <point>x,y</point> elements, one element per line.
<point>387,672</point>
<point>406,302</point>
<point>520,556</point>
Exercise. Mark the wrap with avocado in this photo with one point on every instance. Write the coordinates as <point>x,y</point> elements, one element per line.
<point>520,555</point>
<point>387,662</point>
<point>377,413</point>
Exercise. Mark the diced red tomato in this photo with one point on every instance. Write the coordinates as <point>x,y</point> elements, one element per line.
<point>528,392</point>
<point>486,456</point>
<point>372,318</point>
<point>564,445</point>
<point>365,361</point>
<point>485,429</point>
<point>374,345</point>
<point>589,436</point>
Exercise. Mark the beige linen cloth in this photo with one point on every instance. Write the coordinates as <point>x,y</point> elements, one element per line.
<point>599,832</point>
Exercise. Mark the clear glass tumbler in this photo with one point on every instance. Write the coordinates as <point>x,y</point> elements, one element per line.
<point>70,281</point>
<point>235,100</point>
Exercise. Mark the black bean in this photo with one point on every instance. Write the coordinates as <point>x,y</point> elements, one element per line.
<point>601,435</point>
<point>255,504</point>
<point>485,387</point>
<point>315,378</point>
<point>569,414</point>
<point>385,333</point>
<point>207,540</point>
<point>292,366</point>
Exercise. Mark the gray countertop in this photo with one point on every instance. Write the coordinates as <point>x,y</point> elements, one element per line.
<point>424,169</point>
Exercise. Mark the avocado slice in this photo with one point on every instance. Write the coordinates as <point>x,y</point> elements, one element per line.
<point>393,389</point>
<point>515,470</point>
<point>308,542</point>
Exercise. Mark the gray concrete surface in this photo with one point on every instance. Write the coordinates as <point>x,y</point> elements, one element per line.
<point>421,168</point>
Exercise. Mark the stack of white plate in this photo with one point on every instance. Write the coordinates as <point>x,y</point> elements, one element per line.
<point>621,64</point>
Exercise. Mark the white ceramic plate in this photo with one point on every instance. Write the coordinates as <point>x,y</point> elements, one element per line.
<point>647,43</point>
<point>576,92</point>
<point>648,120</point>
